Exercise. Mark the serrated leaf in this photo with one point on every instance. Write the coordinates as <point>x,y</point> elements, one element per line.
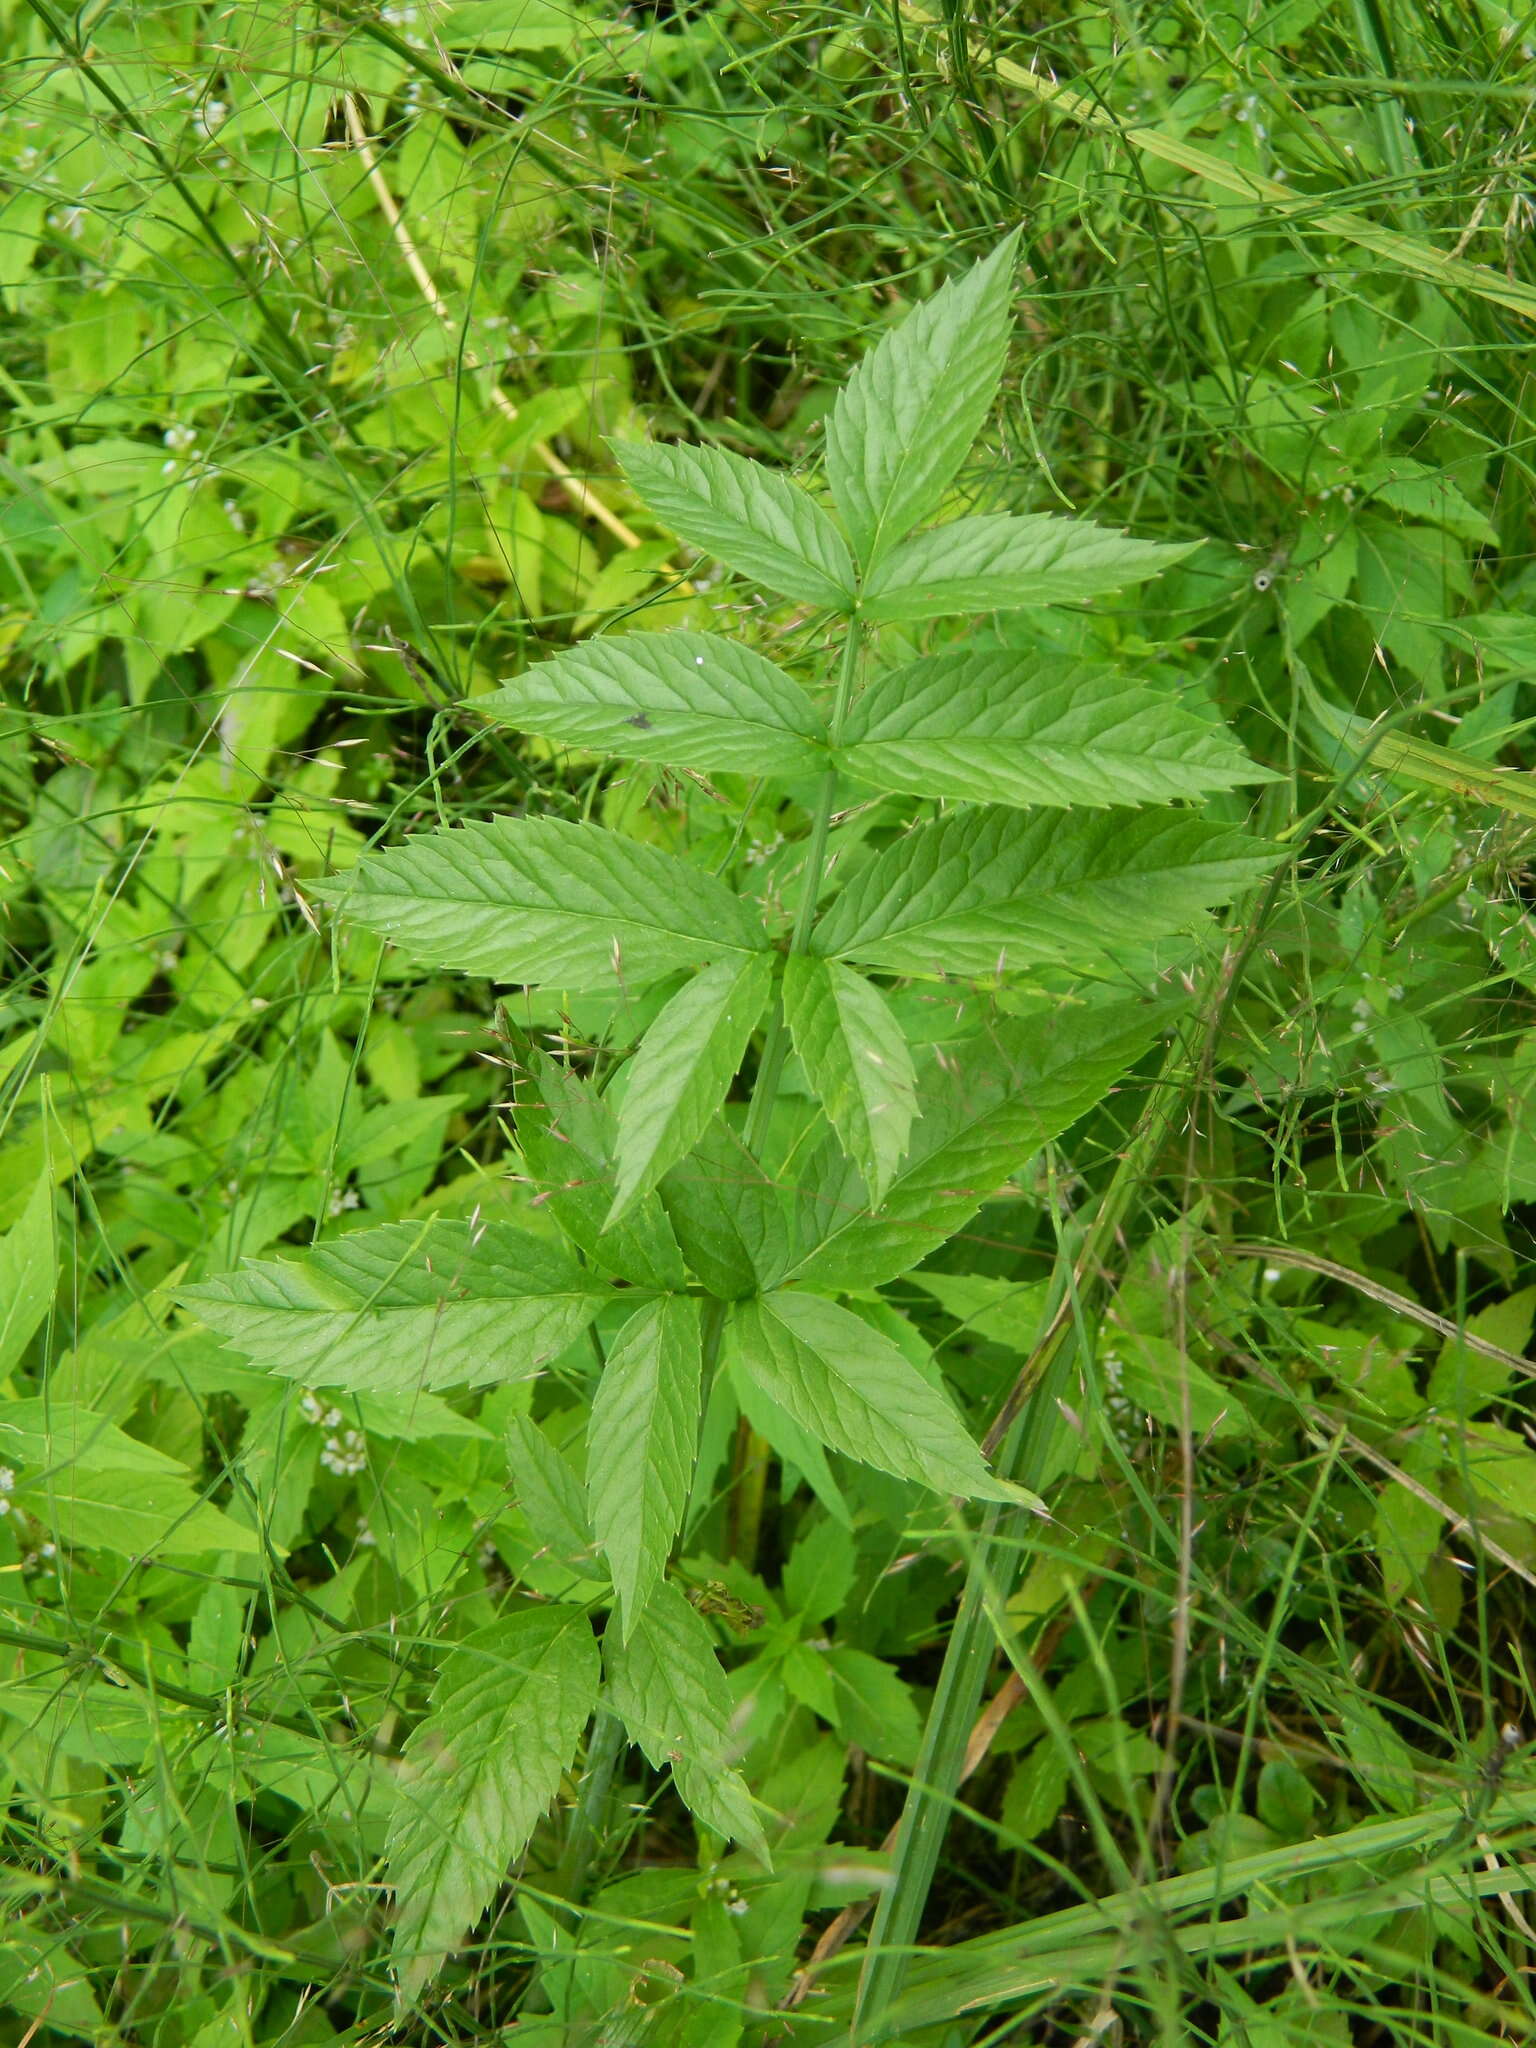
<point>641,1442</point>
<point>407,1305</point>
<point>506,1714</point>
<point>29,1268</point>
<point>566,1133</point>
<point>731,1220</point>
<point>686,1062</point>
<point>544,902</point>
<point>998,726</point>
<point>752,518</point>
<point>903,423</point>
<point>852,1389</point>
<point>996,1101</point>
<point>666,1684</point>
<point>984,891</point>
<point>1001,562</point>
<point>856,1059</point>
<point>690,700</point>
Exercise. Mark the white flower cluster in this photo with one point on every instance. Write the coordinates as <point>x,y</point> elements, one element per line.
<point>345,1451</point>
<point>7,1482</point>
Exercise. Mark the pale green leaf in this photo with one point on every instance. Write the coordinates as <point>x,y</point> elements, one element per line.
<point>856,1059</point>
<point>853,1389</point>
<point>686,1062</point>
<point>690,700</point>
<point>641,1442</point>
<point>1001,562</point>
<point>544,902</point>
<point>754,519</point>
<point>902,424</point>
<point>506,1714</point>
<point>42,1431</point>
<point>996,726</point>
<point>666,1685</point>
<point>994,1102</point>
<point>406,1305</point>
<point>130,1513</point>
<point>984,891</point>
<point>29,1269</point>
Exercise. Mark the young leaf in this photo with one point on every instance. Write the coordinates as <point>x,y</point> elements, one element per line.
<point>406,1305</point>
<point>996,1101</point>
<point>750,517</point>
<point>506,1714</point>
<point>994,726</point>
<point>544,902</point>
<point>691,700</point>
<point>982,891</point>
<point>666,1684</point>
<point>903,423</point>
<point>641,1440</point>
<point>856,1059</point>
<point>1001,562</point>
<point>686,1062</point>
<point>566,1134</point>
<point>853,1389</point>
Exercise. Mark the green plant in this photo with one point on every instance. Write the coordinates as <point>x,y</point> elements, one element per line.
<point>743,1265</point>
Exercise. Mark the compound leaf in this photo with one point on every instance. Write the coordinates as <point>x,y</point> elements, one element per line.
<point>641,1440</point>
<point>404,1306</point>
<point>1000,562</point>
<point>506,1714</point>
<point>544,902</point>
<point>690,700</point>
<point>856,1059</point>
<point>902,424</point>
<point>753,518</point>
<point>686,1062</point>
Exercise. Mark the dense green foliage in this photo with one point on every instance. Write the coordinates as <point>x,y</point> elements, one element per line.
<point>769,1054</point>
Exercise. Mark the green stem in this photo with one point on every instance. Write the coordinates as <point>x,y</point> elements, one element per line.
<point>749,1467</point>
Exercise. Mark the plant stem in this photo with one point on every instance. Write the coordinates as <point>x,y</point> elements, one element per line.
<point>749,1465</point>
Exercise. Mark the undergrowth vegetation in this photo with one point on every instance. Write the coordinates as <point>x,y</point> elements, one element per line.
<point>769,1042</point>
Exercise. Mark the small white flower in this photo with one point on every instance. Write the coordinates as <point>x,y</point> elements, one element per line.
<point>345,1453</point>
